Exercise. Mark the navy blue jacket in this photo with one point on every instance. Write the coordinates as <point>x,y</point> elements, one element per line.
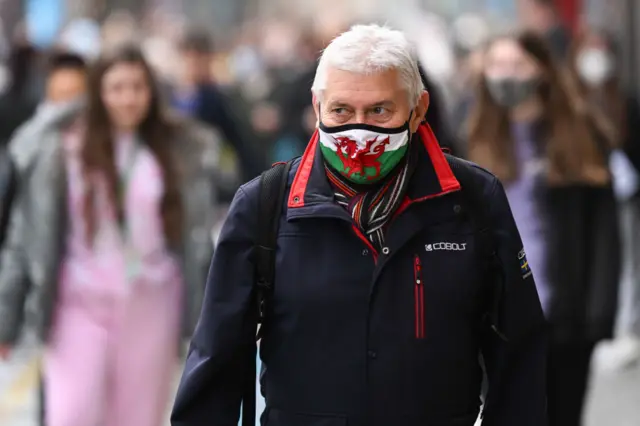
<point>361,338</point>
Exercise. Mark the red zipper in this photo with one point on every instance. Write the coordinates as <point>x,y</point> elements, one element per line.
<point>418,292</point>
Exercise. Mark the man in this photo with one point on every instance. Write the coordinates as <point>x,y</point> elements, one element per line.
<point>376,315</point>
<point>542,17</point>
<point>65,87</point>
<point>197,96</point>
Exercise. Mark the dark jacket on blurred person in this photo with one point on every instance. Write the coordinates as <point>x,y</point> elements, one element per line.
<point>32,253</point>
<point>14,112</point>
<point>19,101</point>
<point>209,105</point>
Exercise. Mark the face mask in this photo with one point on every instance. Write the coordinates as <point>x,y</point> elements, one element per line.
<point>594,66</point>
<point>362,153</point>
<point>511,92</point>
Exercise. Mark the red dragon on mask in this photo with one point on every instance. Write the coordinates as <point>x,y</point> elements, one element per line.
<point>355,160</point>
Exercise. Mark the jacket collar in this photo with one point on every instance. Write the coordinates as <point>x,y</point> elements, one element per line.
<point>312,195</point>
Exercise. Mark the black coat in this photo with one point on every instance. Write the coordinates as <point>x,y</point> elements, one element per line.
<point>583,261</point>
<point>214,109</point>
<point>14,111</point>
<point>360,337</point>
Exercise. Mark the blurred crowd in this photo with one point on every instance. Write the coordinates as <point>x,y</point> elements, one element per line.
<point>247,104</point>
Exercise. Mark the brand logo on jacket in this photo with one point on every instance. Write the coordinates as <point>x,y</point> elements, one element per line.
<point>525,269</point>
<point>446,246</point>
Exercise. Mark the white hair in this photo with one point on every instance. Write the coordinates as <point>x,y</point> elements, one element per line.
<point>371,49</point>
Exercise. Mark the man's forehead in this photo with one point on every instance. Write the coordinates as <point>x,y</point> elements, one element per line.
<point>349,87</point>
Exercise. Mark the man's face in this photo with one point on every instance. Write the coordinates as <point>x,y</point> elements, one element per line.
<point>376,99</point>
<point>66,84</point>
<point>196,66</point>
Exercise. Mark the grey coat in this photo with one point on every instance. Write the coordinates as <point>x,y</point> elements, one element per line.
<point>30,258</point>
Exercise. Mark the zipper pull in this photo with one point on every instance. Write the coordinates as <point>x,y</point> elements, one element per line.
<point>417,270</point>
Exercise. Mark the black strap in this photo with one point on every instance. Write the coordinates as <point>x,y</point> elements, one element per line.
<point>488,248</point>
<point>273,188</point>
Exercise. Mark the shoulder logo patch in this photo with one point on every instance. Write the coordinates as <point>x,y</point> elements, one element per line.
<point>525,269</point>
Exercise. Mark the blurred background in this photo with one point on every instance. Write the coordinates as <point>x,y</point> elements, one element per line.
<point>256,60</point>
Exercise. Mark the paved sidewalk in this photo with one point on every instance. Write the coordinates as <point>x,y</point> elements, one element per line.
<point>18,379</point>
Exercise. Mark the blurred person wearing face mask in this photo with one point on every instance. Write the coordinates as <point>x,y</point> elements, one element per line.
<point>526,128</point>
<point>196,95</point>
<point>114,214</point>
<point>541,17</point>
<point>595,66</point>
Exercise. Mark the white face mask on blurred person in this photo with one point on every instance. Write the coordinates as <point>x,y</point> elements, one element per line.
<point>594,66</point>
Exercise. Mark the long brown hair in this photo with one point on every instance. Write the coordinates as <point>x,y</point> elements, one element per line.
<point>571,147</point>
<point>156,132</point>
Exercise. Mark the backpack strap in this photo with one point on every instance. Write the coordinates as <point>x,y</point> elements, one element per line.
<point>487,251</point>
<point>273,188</point>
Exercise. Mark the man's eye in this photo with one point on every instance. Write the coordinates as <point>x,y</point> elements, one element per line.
<point>379,110</point>
<point>339,110</point>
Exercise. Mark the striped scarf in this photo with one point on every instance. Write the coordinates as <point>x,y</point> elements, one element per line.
<point>372,208</point>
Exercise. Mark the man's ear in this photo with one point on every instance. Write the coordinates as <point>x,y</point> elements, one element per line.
<point>316,106</point>
<point>316,109</point>
<point>419,112</point>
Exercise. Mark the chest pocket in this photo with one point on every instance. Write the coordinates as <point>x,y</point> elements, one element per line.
<point>447,276</point>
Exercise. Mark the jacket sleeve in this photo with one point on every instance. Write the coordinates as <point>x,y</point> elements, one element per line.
<point>14,282</point>
<point>515,362</point>
<point>211,388</point>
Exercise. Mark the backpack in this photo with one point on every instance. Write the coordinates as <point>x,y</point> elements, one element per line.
<point>273,189</point>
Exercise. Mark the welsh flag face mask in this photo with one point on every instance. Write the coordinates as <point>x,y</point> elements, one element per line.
<point>362,153</point>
